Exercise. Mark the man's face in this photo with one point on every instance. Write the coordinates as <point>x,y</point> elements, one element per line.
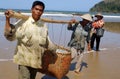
<point>85,21</point>
<point>37,11</point>
<point>98,17</point>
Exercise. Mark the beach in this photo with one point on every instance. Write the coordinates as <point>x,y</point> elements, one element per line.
<point>96,65</point>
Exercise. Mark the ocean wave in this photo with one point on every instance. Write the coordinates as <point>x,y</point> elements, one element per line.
<point>107,18</point>
<point>6,60</point>
<point>45,14</point>
<point>62,14</point>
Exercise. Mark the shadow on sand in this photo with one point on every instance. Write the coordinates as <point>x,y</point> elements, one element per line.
<point>83,64</point>
<point>72,67</point>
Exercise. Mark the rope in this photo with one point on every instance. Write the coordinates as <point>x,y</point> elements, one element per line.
<point>52,31</point>
<point>60,34</point>
<point>64,37</point>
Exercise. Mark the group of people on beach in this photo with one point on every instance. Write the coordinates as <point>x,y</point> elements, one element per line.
<point>84,31</point>
<point>32,39</point>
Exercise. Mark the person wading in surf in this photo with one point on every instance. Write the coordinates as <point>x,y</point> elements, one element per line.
<point>78,38</point>
<point>98,23</point>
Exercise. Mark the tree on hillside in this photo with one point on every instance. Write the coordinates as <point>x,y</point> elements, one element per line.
<point>107,6</point>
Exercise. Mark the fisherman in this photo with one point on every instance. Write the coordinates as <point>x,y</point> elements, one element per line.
<point>32,40</point>
<point>78,38</point>
<point>98,23</point>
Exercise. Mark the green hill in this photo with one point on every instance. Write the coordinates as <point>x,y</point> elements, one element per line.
<point>110,6</point>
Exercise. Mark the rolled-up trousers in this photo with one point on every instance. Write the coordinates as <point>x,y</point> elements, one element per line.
<point>79,55</point>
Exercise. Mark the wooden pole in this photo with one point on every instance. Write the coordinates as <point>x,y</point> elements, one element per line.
<point>25,17</point>
<point>19,16</point>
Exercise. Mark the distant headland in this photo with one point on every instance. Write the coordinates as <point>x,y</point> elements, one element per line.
<point>107,6</point>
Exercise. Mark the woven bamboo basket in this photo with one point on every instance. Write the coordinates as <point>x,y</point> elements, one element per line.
<point>57,64</point>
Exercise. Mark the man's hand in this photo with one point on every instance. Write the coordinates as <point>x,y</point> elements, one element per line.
<point>9,13</point>
<point>72,21</point>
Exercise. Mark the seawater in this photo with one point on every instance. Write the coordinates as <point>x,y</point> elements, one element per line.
<point>58,33</point>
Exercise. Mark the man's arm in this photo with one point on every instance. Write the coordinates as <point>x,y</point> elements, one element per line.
<point>9,28</point>
<point>70,24</point>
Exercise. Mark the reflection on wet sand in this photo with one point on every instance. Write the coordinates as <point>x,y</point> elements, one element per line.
<point>101,65</point>
<point>113,26</point>
<point>94,64</point>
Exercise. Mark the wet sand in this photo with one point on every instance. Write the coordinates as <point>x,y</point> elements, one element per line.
<point>96,65</point>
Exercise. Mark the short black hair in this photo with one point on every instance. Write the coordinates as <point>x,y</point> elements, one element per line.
<point>38,3</point>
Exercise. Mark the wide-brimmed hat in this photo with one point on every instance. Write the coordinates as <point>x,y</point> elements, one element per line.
<point>87,17</point>
<point>99,14</point>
